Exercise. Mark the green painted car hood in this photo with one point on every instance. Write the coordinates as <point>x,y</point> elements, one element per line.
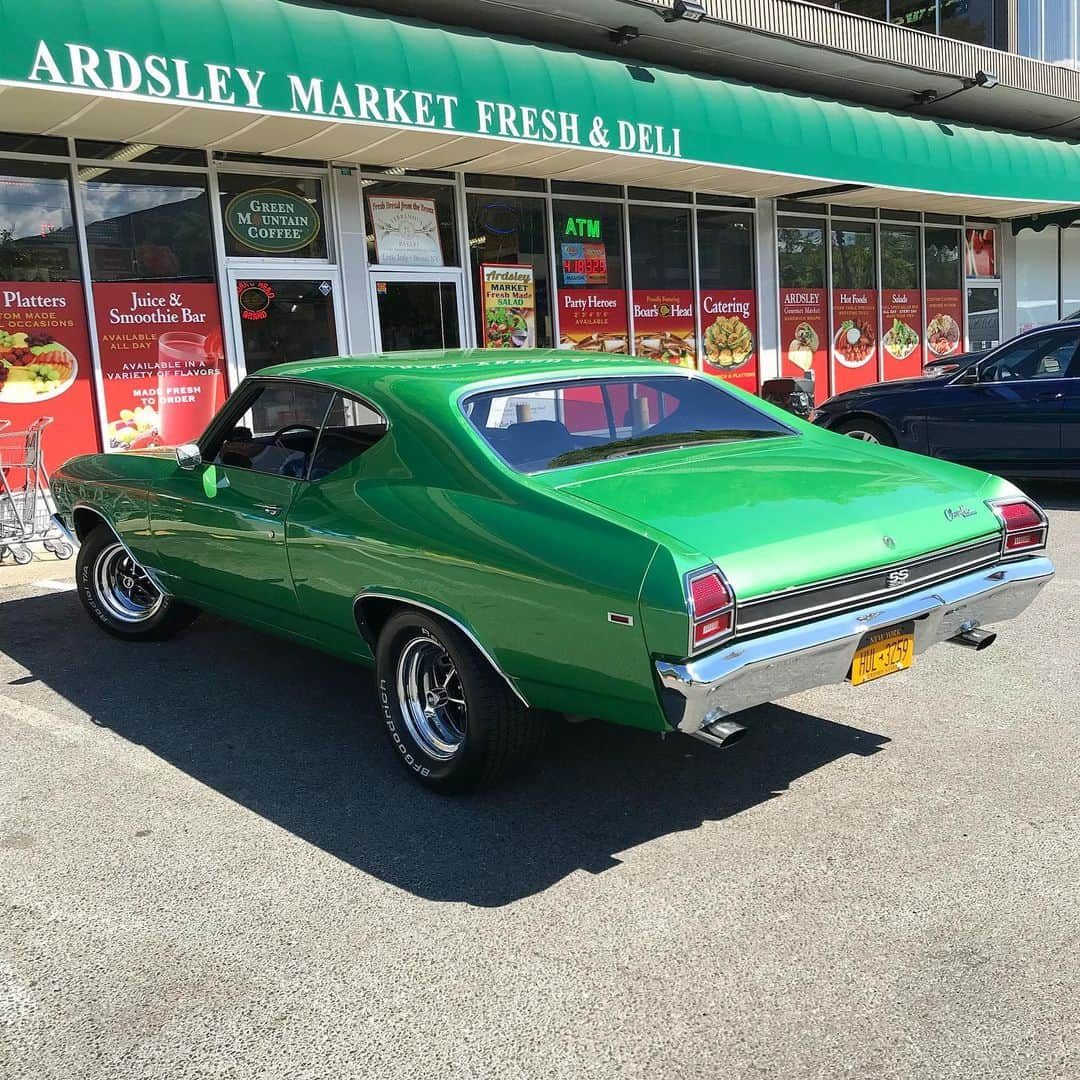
<point>782,512</point>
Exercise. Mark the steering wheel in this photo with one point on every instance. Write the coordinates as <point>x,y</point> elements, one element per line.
<point>282,431</point>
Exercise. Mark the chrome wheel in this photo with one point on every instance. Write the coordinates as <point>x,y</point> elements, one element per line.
<point>862,436</point>
<point>123,586</point>
<point>431,697</point>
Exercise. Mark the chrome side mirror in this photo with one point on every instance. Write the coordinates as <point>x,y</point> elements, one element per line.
<point>188,456</point>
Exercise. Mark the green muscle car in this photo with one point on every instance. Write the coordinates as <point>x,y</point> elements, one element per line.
<point>511,534</point>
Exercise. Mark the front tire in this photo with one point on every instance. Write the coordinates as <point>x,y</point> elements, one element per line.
<point>451,719</point>
<point>866,430</point>
<point>119,595</point>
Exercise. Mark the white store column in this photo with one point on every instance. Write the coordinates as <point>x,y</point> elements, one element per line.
<point>352,258</point>
<point>766,268</point>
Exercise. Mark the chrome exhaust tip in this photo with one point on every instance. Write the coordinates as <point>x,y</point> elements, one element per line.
<point>974,638</point>
<point>720,733</point>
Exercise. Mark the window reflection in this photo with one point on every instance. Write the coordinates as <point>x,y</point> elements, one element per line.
<point>37,242</point>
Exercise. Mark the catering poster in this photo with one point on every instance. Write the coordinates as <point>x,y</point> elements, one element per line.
<point>509,299</point>
<point>804,336</point>
<point>729,335</point>
<point>901,338</point>
<point>406,231</point>
<point>45,367</point>
<point>664,325</point>
<point>854,343</point>
<point>162,362</point>
<point>944,316</point>
<point>593,320</point>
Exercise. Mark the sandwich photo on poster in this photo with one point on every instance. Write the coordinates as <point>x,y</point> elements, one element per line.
<point>804,332</point>
<point>664,325</point>
<point>509,305</point>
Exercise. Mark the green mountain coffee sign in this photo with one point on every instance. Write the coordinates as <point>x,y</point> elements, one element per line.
<point>272,221</point>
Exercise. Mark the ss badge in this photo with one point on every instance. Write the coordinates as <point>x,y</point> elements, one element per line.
<point>897,578</point>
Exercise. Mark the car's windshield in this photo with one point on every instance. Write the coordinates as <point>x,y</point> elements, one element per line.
<point>553,425</point>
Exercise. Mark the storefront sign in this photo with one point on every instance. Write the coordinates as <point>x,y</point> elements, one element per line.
<point>406,231</point>
<point>254,299</point>
<point>45,366</point>
<point>854,343</point>
<point>162,362</point>
<point>901,339</point>
<point>584,264</point>
<point>664,325</point>
<point>944,318</point>
<point>593,320</point>
<point>509,300</point>
<point>272,221</point>
<point>804,336</point>
<point>980,255</point>
<point>729,336</point>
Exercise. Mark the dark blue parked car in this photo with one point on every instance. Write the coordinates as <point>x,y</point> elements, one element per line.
<point>1012,410</point>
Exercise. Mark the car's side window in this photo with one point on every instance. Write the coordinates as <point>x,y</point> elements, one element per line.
<point>352,428</point>
<point>277,430</point>
<point>1047,356</point>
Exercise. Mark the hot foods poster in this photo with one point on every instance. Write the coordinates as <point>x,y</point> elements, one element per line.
<point>162,362</point>
<point>509,298</point>
<point>804,333</point>
<point>45,367</point>
<point>854,344</point>
<point>664,325</point>
<point>944,315</point>
<point>593,320</point>
<point>729,336</point>
<point>901,339</point>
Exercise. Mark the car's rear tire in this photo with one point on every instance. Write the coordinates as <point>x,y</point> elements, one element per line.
<point>866,430</point>
<point>120,597</point>
<point>451,719</point>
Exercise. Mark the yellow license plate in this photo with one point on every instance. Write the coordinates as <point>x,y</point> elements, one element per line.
<point>883,652</point>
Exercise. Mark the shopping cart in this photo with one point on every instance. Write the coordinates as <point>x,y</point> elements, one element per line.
<point>26,507</point>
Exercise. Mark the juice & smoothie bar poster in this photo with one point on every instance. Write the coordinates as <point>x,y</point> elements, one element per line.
<point>593,320</point>
<point>509,299</point>
<point>45,366</point>
<point>901,339</point>
<point>944,315</point>
<point>804,333</point>
<point>854,344</point>
<point>729,336</point>
<point>162,362</point>
<point>664,325</point>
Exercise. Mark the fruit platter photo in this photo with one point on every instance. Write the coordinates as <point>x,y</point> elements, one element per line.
<point>33,367</point>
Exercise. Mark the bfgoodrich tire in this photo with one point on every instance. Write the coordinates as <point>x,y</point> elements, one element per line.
<point>452,721</point>
<point>120,597</point>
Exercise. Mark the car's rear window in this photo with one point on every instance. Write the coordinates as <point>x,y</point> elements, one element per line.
<point>553,425</point>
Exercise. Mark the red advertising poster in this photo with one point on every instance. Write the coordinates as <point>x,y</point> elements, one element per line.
<point>944,318</point>
<point>593,320</point>
<point>664,325</point>
<point>804,337</point>
<point>901,337</point>
<point>45,368</point>
<point>854,343</point>
<point>980,256</point>
<point>162,362</point>
<point>729,336</point>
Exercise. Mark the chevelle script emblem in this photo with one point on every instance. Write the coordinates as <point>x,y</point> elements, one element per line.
<point>954,512</point>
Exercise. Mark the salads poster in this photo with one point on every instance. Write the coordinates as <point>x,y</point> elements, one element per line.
<point>901,318</point>
<point>162,362</point>
<point>854,344</point>
<point>45,366</point>
<point>729,336</point>
<point>509,298</point>
<point>944,314</point>
<point>804,331</point>
<point>664,325</point>
<point>593,320</point>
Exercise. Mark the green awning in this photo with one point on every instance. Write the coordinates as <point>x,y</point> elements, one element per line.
<point>360,76</point>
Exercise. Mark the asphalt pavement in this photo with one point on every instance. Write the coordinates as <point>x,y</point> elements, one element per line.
<point>210,866</point>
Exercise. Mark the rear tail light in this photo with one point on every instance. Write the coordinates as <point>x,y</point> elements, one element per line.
<point>711,605</point>
<point>1024,525</point>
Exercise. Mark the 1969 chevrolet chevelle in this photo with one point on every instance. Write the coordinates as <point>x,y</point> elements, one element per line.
<point>511,534</point>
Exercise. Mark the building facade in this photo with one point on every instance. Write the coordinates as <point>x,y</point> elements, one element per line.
<point>190,192</point>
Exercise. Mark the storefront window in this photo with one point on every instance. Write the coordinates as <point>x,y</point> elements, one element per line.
<point>410,224</point>
<point>660,252</point>
<point>1070,270</point>
<point>901,302</point>
<point>37,241</point>
<point>508,247</point>
<point>914,14</point>
<point>968,20</point>
<point>854,305</point>
<point>726,298</point>
<point>592,290</point>
<point>276,217</point>
<point>944,299</point>
<point>804,322</point>
<point>1036,277</point>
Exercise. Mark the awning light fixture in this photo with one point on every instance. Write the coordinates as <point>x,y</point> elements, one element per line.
<point>623,35</point>
<point>986,79</point>
<point>690,10</point>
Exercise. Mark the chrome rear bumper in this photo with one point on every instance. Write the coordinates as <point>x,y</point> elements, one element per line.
<point>748,673</point>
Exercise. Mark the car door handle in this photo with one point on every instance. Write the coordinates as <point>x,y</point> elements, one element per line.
<point>1050,395</point>
<point>273,511</point>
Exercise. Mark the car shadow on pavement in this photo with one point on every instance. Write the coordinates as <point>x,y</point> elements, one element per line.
<point>293,735</point>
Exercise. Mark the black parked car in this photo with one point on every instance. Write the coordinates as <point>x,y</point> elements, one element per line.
<point>1014,409</point>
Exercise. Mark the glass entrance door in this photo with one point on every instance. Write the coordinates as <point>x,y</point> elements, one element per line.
<point>284,318</point>
<point>984,316</point>
<point>417,311</point>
